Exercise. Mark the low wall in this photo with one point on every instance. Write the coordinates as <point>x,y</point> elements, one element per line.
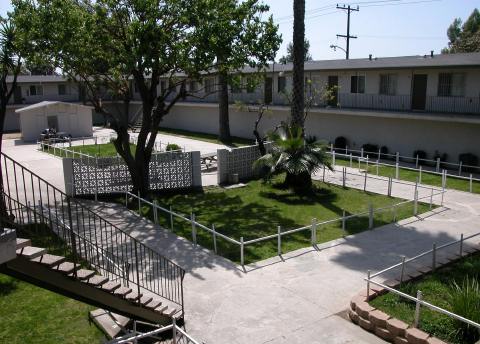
<point>399,132</point>
<point>237,160</point>
<point>168,171</point>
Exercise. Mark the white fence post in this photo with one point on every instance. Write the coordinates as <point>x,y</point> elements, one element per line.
<point>155,212</point>
<point>365,182</point>
<point>366,169</point>
<point>420,175</point>
<point>313,230</point>
<point>351,158</point>
<point>460,169</point>
<point>344,175</point>
<point>415,204</point>
<point>174,331</point>
<point>416,162</point>
<point>361,153</point>
<point>438,165</point>
<point>403,269</point>
<point>323,178</point>
<point>417,309</point>
<point>139,203</point>
<point>242,260</point>
<point>378,162</point>
<point>214,238</point>
<point>397,172</point>
<point>471,183</point>
<point>333,159</point>
<point>368,284</point>
<point>461,245</point>
<point>279,241</point>
<point>370,216</point>
<point>397,158</point>
<point>194,229</point>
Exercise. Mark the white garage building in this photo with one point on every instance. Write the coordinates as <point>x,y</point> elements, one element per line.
<point>74,119</point>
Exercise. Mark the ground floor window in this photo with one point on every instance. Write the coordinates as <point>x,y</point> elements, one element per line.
<point>357,84</point>
<point>451,85</point>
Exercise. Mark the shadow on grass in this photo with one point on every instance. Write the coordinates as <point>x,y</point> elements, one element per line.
<point>7,286</point>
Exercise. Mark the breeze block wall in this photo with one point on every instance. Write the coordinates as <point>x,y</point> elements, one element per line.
<point>107,175</point>
<point>237,161</point>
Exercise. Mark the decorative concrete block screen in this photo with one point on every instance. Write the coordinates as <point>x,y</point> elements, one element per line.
<point>168,171</point>
<point>237,161</point>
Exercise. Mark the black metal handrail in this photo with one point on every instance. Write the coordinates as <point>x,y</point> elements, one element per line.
<point>31,199</point>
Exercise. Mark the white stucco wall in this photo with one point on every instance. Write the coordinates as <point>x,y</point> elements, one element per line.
<point>399,132</point>
<point>73,119</point>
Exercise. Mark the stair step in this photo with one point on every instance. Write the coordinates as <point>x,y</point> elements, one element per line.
<point>97,280</point>
<point>110,286</point>
<point>145,300</point>
<point>31,252</point>
<point>154,304</point>
<point>170,312</point>
<point>134,296</point>
<point>122,291</point>
<point>23,242</point>
<point>67,267</point>
<point>84,274</point>
<point>161,309</point>
<point>49,260</point>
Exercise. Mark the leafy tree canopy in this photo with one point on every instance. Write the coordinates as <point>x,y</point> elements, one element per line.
<point>289,57</point>
<point>464,38</point>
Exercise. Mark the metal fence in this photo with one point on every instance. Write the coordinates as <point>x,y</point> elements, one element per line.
<point>315,227</point>
<point>84,236</point>
<point>418,300</point>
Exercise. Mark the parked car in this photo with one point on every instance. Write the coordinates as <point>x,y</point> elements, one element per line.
<point>50,135</point>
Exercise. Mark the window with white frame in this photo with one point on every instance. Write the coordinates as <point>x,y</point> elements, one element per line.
<point>282,84</point>
<point>209,85</point>
<point>63,90</point>
<point>388,84</point>
<point>357,84</point>
<point>451,85</point>
<point>35,90</point>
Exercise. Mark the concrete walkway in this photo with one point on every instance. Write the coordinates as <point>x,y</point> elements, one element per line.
<point>299,297</point>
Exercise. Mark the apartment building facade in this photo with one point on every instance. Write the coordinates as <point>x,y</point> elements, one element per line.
<point>405,103</point>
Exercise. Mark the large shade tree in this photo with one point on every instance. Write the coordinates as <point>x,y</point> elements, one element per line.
<point>464,38</point>
<point>288,58</point>
<point>298,103</point>
<point>239,36</point>
<point>109,45</point>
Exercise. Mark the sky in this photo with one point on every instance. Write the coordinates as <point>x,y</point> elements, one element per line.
<point>384,27</point>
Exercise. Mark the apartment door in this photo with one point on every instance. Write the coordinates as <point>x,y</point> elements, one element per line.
<point>419,92</point>
<point>333,83</point>
<point>268,96</point>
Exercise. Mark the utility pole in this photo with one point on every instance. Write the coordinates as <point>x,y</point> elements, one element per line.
<point>347,36</point>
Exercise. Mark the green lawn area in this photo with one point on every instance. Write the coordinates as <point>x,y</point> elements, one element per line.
<point>30,314</point>
<point>256,210</point>
<point>236,141</point>
<point>408,175</point>
<point>100,150</point>
<point>437,289</point>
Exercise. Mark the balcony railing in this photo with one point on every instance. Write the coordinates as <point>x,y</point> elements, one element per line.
<point>467,105</point>
<point>375,101</point>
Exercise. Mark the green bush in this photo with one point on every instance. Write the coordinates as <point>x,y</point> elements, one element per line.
<point>470,160</point>
<point>466,303</point>
<point>173,147</point>
<point>370,149</point>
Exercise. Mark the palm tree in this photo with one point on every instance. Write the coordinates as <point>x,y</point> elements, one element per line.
<point>298,103</point>
<point>295,156</point>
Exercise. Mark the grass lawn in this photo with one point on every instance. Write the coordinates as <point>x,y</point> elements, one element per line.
<point>236,141</point>
<point>436,289</point>
<point>30,314</point>
<point>102,150</point>
<point>404,174</point>
<point>256,210</point>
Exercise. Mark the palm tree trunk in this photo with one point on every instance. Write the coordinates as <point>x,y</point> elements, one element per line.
<point>298,101</point>
<point>224,122</point>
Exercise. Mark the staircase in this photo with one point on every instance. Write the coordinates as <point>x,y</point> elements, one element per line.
<point>83,256</point>
<point>137,120</point>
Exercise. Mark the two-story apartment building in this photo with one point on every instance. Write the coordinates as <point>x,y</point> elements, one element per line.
<point>405,103</point>
<point>431,103</point>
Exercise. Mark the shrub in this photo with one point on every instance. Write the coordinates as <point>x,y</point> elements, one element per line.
<point>422,155</point>
<point>371,149</point>
<point>466,303</point>
<point>468,159</point>
<point>340,143</point>
<point>442,156</point>
<point>173,147</point>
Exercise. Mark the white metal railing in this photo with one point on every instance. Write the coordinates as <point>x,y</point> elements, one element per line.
<point>364,158</point>
<point>178,335</point>
<point>416,160</point>
<point>314,227</point>
<point>419,298</point>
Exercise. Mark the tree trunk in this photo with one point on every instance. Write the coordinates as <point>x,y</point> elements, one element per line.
<point>298,101</point>
<point>224,123</point>
<point>299,182</point>
<point>5,217</point>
